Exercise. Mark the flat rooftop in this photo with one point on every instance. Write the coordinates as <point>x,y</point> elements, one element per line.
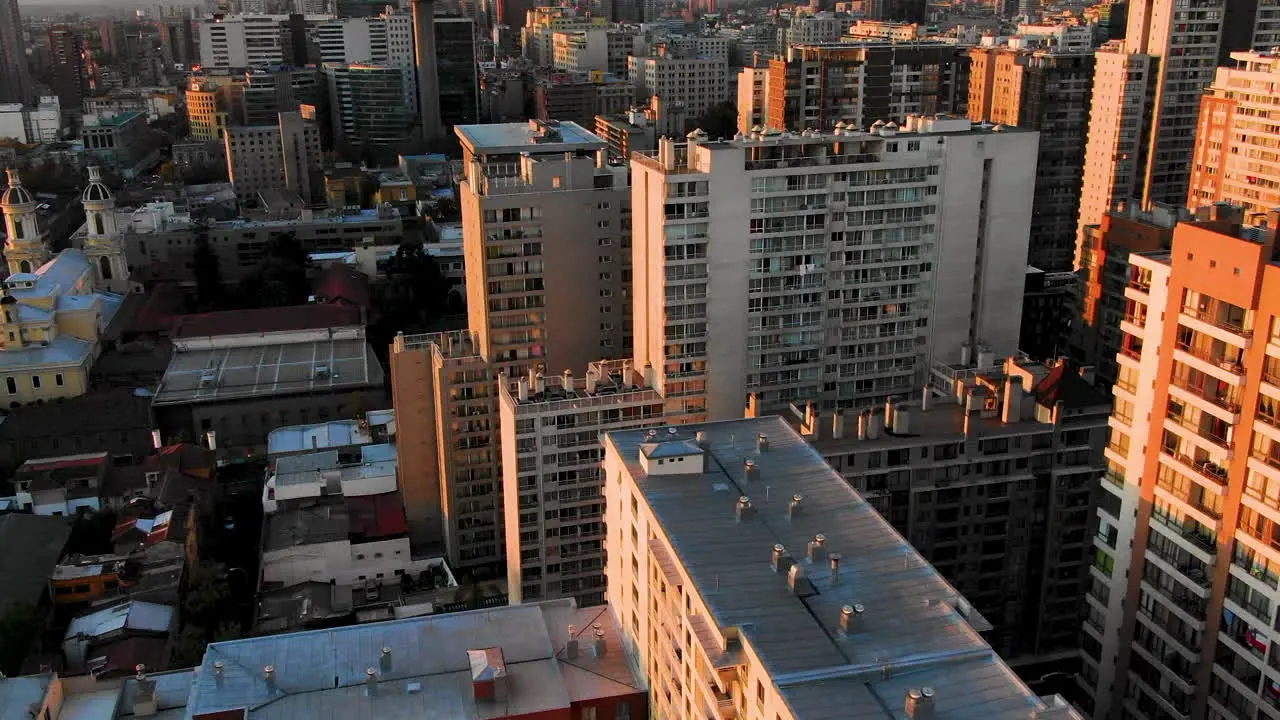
<point>916,630</point>
<point>322,673</point>
<point>221,374</point>
<point>534,136</point>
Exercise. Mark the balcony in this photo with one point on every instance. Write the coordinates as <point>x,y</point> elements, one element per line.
<point>1220,317</point>
<point>1205,469</point>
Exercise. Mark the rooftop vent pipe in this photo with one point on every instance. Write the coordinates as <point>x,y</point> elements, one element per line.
<point>835,568</point>
<point>744,507</point>
<point>384,660</point>
<point>218,665</point>
<point>571,645</point>
<point>371,681</point>
<point>919,704</point>
<point>752,472</point>
<point>762,442</point>
<point>269,674</point>
<point>851,618</point>
<point>794,506</point>
<point>598,647</point>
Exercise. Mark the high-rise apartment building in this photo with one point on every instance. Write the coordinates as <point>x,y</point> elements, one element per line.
<point>1236,158</point>
<point>533,198</point>
<point>546,228</point>
<point>1104,274</point>
<point>752,98</point>
<point>870,257</point>
<point>443,392</point>
<point>1119,132</point>
<point>284,156</point>
<point>580,96</point>
<point>601,49</point>
<point>1047,92</point>
<point>817,86</point>
<point>458,71</point>
<point>15,76</point>
<point>553,492</point>
<point>243,41</point>
<point>1146,99</point>
<point>212,107</point>
<point>993,479</point>
<point>537,37</point>
<point>1182,611</point>
<point>265,92</point>
<point>753,582</point>
<point>371,120</point>
<point>815,29</point>
<point>70,78</point>
<point>685,85</point>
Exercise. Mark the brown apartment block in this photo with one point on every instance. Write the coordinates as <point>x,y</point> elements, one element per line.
<point>1186,567</point>
<point>817,86</point>
<point>1104,266</point>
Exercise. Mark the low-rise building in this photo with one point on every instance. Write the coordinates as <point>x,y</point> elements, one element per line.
<point>496,664</point>
<point>116,640</point>
<point>161,235</point>
<point>66,486</point>
<point>235,376</point>
<point>121,142</point>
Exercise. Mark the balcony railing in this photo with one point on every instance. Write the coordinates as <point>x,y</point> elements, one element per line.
<point>1208,316</point>
<point>1226,402</point>
<point>1211,357</point>
<point>1205,469</point>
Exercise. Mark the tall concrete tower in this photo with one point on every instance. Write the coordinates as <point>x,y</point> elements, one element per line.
<point>424,46</point>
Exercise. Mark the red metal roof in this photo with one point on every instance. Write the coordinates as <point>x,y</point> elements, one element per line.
<point>264,320</point>
<point>375,516</point>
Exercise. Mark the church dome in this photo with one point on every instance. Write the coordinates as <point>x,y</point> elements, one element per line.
<point>96,190</point>
<point>15,194</point>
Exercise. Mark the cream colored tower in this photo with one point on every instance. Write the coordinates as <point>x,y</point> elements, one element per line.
<point>25,248</point>
<point>102,245</point>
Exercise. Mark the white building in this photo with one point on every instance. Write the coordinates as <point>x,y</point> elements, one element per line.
<point>816,29</point>
<point>32,123</point>
<point>684,85</point>
<point>243,41</point>
<point>551,482</point>
<point>871,256</point>
<point>755,583</point>
<point>603,49</point>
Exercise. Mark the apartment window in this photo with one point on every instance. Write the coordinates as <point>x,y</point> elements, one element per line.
<point>35,382</point>
<point>13,385</point>
<point>588,713</point>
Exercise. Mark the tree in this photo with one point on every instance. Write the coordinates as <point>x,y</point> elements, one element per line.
<point>281,278</point>
<point>719,121</point>
<point>20,625</point>
<point>91,535</point>
<point>208,274</point>
<point>416,292</point>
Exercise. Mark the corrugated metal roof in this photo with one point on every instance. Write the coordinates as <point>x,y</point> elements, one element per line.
<point>323,673</point>
<point>913,631</point>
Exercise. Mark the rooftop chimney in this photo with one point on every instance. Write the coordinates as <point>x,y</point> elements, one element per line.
<point>218,665</point>
<point>598,646</point>
<point>795,575</point>
<point>779,558</point>
<point>818,548</point>
<point>269,674</point>
<point>919,704</point>
<point>744,507</point>
<point>371,681</point>
<point>888,415</point>
<point>568,380</point>
<point>522,390</point>
<point>384,660</point>
<point>835,568</point>
<point>751,471</point>
<point>862,426</point>
<point>571,645</point>
<point>762,442</point>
